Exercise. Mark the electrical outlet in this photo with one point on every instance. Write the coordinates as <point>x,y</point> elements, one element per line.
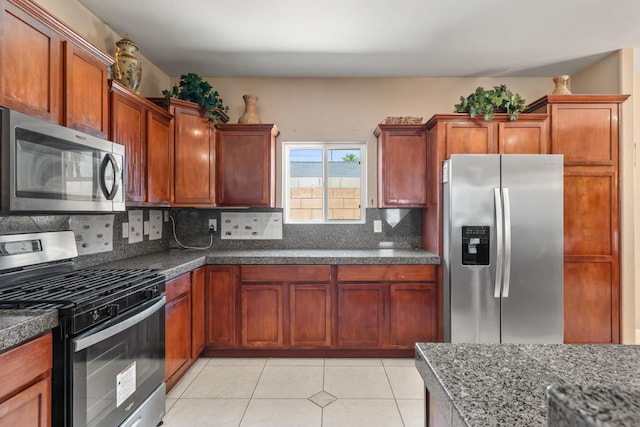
<point>213,224</point>
<point>166,216</point>
<point>377,226</point>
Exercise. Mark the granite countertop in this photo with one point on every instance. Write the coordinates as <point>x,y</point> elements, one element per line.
<point>20,326</point>
<point>506,384</point>
<point>178,261</point>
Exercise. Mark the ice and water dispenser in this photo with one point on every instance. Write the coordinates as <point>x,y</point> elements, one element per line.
<point>475,245</point>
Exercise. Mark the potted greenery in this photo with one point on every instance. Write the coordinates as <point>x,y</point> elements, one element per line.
<point>488,102</point>
<point>193,88</point>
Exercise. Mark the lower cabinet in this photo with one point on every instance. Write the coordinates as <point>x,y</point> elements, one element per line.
<point>25,375</point>
<point>347,308</point>
<point>184,321</point>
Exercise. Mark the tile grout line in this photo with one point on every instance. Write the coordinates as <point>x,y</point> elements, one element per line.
<point>252,393</point>
<point>393,393</point>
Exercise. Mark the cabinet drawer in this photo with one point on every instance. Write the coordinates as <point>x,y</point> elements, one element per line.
<point>178,286</point>
<point>23,364</point>
<point>285,273</point>
<point>384,273</point>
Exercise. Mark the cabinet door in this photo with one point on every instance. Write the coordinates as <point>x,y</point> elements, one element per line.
<point>31,407</point>
<point>412,314</point>
<point>30,75</point>
<point>246,173</point>
<point>310,315</point>
<point>158,158</point>
<point>193,180</point>
<point>473,137</point>
<point>128,128</point>
<point>523,137</point>
<point>197,312</point>
<point>402,167</point>
<point>178,324</point>
<point>86,91</point>
<point>220,310</point>
<point>262,309</point>
<point>361,316</point>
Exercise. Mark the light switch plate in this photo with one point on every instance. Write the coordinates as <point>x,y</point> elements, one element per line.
<point>125,230</point>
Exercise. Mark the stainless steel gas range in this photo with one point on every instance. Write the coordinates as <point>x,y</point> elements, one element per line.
<point>108,351</point>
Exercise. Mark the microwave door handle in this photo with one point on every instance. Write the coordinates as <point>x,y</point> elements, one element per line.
<point>109,159</point>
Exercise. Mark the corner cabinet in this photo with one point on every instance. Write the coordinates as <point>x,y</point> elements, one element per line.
<point>585,129</point>
<point>245,165</point>
<point>193,136</point>
<point>144,129</point>
<point>185,323</point>
<point>48,70</point>
<point>25,375</point>
<point>402,165</point>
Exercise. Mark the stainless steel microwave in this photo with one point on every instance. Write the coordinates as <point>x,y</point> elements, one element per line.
<point>51,168</point>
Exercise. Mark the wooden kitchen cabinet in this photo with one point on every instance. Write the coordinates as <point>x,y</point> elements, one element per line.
<point>585,129</point>
<point>220,306</point>
<point>198,277</point>
<point>178,328</point>
<point>86,96</point>
<point>193,136</point>
<point>48,70</point>
<point>386,306</point>
<point>245,165</point>
<point>25,375</point>
<point>262,308</point>
<point>299,293</point>
<point>144,129</point>
<point>402,165</point>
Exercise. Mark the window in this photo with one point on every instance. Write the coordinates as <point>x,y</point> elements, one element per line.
<point>324,182</point>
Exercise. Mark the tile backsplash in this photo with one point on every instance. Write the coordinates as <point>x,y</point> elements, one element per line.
<point>192,225</point>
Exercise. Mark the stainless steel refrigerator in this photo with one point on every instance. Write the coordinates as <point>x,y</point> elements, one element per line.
<point>503,248</point>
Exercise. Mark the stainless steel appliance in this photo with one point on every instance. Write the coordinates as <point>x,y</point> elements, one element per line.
<point>503,248</point>
<point>47,167</point>
<point>109,347</point>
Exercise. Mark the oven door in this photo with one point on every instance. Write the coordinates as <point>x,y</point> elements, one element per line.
<point>118,365</point>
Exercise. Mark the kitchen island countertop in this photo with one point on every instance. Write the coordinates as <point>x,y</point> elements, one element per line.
<point>175,262</point>
<point>20,326</point>
<point>506,384</point>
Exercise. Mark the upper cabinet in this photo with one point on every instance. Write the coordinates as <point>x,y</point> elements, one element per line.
<point>144,129</point>
<point>245,165</point>
<point>402,165</point>
<point>49,71</point>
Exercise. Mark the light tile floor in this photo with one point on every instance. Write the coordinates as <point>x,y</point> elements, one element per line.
<point>281,392</point>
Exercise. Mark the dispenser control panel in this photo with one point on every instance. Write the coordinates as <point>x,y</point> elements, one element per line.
<point>475,245</point>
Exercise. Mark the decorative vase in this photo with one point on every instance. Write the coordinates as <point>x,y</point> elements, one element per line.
<point>127,69</point>
<point>561,85</point>
<point>249,116</point>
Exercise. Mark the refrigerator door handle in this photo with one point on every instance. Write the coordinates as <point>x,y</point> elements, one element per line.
<point>507,242</point>
<point>499,243</point>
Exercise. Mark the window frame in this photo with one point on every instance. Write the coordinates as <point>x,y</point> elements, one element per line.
<point>325,146</point>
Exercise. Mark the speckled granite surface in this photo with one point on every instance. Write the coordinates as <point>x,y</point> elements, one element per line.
<point>177,261</point>
<point>506,384</point>
<point>19,326</point>
<point>592,405</point>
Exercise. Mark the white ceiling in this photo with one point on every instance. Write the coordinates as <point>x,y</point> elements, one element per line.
<point>374,38</point>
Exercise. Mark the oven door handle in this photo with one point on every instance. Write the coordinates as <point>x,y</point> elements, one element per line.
<point>82,343</point>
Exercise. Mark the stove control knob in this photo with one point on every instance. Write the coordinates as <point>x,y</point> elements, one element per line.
<point>95,315</point>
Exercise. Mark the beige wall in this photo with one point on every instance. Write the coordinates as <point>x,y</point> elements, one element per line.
<point>614,74</point>
<point>85,23</point>
<point>636,134</point>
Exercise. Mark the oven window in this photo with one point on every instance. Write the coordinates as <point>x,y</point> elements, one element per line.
<point>112,377</point>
